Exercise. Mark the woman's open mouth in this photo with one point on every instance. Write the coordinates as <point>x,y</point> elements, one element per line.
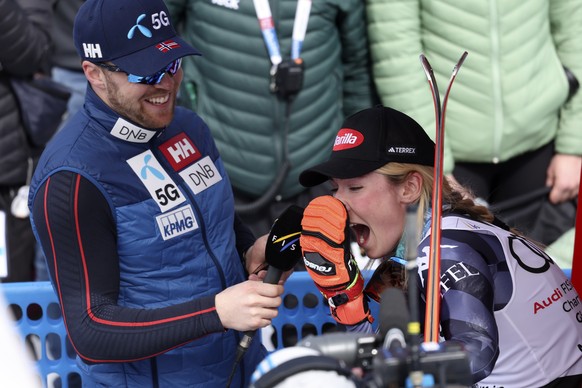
<point>361,232</point>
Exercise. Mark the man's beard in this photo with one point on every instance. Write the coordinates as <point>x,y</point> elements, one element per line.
<point>133,110</point>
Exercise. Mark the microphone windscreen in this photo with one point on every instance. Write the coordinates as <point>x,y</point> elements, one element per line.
<point>283,250</point>
<point>393,311</point>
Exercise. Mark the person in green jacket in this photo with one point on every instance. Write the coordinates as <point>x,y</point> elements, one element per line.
<point>514,121</point>
<point>267,138</point>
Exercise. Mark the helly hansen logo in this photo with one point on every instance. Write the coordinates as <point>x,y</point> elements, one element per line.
<point>347,138</point>
<point>180,151</point>
<point>92,50</point>
<point>177,222</point>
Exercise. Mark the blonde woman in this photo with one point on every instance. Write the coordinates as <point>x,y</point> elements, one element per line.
<point>503,299</point>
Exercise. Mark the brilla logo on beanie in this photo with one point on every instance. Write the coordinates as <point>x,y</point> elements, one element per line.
<point>368,140</point>
<point>136,35</point>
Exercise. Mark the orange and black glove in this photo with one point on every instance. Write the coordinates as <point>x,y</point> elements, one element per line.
<point>325,244</point>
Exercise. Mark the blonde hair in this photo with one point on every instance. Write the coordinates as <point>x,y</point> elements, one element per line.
<point>395,275</point>
<point>397,173</point>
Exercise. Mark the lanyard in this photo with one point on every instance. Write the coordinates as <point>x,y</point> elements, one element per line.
<point>270,35</point>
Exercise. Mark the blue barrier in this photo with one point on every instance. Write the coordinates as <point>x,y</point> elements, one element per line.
<point>305,311</point>
<point>38,317</point>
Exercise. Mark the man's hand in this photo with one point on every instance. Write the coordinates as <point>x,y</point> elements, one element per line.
<point>563,176</point>
<point>255,255</point>
<point>279,249</point>
<point>250,305</point>
<point>325,244</point>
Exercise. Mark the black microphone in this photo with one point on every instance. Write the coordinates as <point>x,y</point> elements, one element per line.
<point>282,252</point>
<point>353,349</point>
<point>394,319</point>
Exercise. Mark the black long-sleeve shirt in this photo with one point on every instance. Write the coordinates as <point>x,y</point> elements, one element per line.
<point>77,231</point>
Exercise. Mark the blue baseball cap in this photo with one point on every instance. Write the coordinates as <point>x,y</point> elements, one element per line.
<point>135,35</point>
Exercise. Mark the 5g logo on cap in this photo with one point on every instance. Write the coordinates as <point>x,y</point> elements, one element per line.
<point>159,20</point>
<point>142,29</point>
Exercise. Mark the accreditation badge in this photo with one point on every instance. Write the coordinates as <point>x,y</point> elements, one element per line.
<point>3,248</point>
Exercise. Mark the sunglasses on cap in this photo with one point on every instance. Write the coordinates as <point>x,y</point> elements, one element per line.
<point>153,79</point>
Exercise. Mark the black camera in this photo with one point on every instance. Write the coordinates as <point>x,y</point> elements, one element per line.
<point>287,78</point>
<point>387,366</point>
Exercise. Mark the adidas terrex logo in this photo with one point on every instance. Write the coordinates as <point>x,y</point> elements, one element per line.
<point>347,138</point>
<point>402,150</point>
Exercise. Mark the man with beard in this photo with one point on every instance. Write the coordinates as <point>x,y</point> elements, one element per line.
<point>135,213</point>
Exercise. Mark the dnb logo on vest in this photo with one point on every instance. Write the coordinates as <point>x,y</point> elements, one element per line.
<point>201,175</point>
<point>127,131</point>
